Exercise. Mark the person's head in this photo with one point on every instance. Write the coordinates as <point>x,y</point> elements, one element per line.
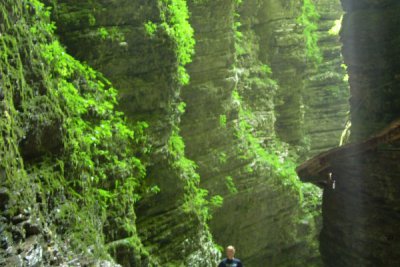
<point>230,252</point>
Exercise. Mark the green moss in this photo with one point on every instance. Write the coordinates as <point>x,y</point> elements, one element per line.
<point>275,155</point>
<point>150,28</point>
<point>90,179</point>
<point>175,23</point>
<point>309,20</point>
<point>222,121</point>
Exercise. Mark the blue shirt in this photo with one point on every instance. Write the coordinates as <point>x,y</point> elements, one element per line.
<point>230,263</point>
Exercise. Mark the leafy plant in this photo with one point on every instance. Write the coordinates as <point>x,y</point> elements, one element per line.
<point>175,23</point>
<point>92,178</point>
<point>150,28</point>
<point>222,121</point>
<point>103,33</point>
<point>309,20</point>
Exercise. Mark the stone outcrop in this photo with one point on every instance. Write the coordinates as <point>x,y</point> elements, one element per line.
<point>223,66</point>
<point>361,186</point>
<point>52,210</point>
<point>361,201</point>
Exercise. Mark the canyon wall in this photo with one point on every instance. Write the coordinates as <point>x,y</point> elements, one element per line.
<point>251,85</point>
<point>361,213</point>
<point>266,89</point>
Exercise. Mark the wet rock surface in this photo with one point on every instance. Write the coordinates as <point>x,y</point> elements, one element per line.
<point>361,210</point>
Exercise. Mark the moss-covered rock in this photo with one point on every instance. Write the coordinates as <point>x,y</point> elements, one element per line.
<point>67,156</point>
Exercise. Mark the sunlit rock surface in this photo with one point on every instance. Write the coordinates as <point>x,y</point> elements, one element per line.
<point>312,100</point>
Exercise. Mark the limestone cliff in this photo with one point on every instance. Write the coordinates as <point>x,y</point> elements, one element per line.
<point>244,63</point>
<point>144,63</point>
<point>134,175</point>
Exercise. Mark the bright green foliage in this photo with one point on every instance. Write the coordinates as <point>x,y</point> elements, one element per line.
<point>90,178</point>
<point>239,46</point>
<point>92,20</point>
<point>222,120</point>
<point>175,22</point>
<point>150,28</point>
<point>181,107</point>
<point>216,201</point>
<point>103,33</point>
<point>222,157</point>
<point>309,19</point>
<point>112,33</point>
<point>266,69</point>
<point>277,165</point>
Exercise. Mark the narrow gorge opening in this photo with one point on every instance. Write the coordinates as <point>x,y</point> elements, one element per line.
<point>156,133</point>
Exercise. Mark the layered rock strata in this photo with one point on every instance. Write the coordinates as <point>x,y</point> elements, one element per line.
<point>360,202</point>
<point>226,66</point>
<point>232,104</point>
<point>112,37</point>
<point>312,100</point>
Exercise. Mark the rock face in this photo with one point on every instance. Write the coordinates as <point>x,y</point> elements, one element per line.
<point>371,56</point>
<point>228,75</point>
<point>361,215</point>
<point>370,183</point>
<point>226,64</point>
<point>55,146</point>
<point>312,100</point>
<point>252,103</point>
<point>144,66</point>
<point>361,201</point>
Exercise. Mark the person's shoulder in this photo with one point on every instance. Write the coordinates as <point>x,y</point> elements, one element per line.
<point>238,262</point>
<point>222,263</point>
